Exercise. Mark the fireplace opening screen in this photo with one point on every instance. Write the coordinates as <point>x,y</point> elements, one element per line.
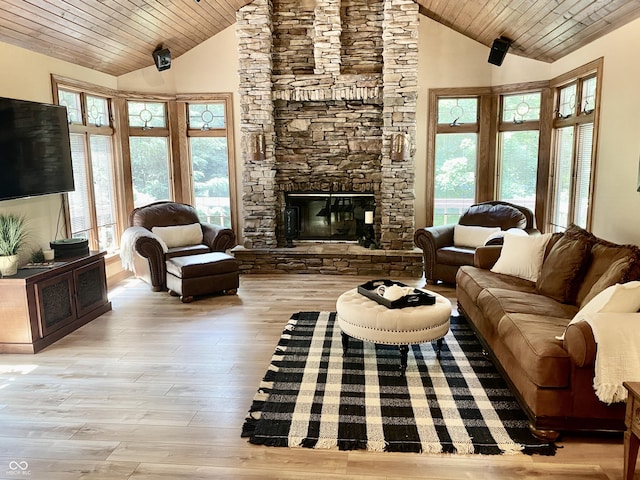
<point>331,216</point>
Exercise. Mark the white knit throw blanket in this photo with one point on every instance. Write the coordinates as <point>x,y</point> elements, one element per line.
<point>618,354</point>
<point>128,243</point>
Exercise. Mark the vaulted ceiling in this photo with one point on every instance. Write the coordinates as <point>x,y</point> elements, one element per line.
<point>118,36</point>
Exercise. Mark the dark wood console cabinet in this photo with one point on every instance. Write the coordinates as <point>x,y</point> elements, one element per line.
<point>40,306</point>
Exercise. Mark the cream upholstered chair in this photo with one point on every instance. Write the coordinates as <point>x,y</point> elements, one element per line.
<point>164,230</point>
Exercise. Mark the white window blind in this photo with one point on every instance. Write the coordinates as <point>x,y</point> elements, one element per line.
<point>79,207</point>
<point>583,173</point>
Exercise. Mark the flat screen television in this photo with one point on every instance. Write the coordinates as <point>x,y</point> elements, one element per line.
<point>35,152</point>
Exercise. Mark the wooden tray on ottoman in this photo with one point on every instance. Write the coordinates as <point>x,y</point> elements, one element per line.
<point>418,297</point>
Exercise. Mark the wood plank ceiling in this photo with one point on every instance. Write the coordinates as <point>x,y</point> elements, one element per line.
<point>118,36</point>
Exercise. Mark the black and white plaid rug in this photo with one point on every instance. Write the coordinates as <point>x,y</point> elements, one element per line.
<point>314,397</point>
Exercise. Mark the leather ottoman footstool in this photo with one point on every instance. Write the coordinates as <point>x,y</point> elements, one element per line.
<point>202,274</point>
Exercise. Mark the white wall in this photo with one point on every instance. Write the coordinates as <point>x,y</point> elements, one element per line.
<point>27,76</point>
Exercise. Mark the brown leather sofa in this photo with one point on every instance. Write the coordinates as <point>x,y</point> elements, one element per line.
<point>442,258</point>
<point>145,254</point>
<point>518,322</point>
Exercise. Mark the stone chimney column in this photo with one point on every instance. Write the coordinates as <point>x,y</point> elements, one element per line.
<point>327,29</point>
<point>400,93</point>
<point>259,198</point>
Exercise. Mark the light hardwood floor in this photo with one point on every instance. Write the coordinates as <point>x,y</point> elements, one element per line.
<point>157,389</point>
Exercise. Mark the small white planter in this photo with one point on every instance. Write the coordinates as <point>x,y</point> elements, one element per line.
<point>8,265</point>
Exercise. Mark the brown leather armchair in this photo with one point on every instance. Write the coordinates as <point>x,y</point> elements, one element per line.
<point>145,253</point>
<point>442,259</point>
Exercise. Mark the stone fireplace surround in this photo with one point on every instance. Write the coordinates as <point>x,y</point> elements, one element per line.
<point>326,88</point>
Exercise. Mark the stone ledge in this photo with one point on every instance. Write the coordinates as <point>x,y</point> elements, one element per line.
<point>331,259</point>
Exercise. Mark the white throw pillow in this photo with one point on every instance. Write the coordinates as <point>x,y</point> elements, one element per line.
<point>618,298</point>
<point>180,235</point>
<point>521,256</point>
<point>471,235</point>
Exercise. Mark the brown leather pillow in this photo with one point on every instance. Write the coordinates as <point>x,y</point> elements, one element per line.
<point>563,268</point>
<point>616,273</point>
<point>603,255</point>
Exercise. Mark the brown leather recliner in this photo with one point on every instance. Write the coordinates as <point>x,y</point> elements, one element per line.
<point>145,254</point>
<point>442,259</point>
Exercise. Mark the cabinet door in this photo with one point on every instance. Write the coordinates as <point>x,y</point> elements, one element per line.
<point>56,306</point>
<point>91,287</point>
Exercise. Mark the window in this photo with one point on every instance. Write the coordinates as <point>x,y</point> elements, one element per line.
<point>573,159</point>
<point>455,157</point>
<point>209,160</point>
<point>149,151</point>
<point>92,206</point>
<point>519,137</point>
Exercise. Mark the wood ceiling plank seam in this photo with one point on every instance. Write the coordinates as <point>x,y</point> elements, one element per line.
<point>564,28</point>
<point>466,15</point>
<point>138,45</point>
<point>224,7</point>
<point>110,17</point>
<point>551,19</point>
<point>597,11</point>
<point>627,13</point>
<point>47,45</point>
<point>520,25</point>
<point>491,9</point>
<point>139,16</point>
<point>437,7</point>
<point>108,34</point>
<point>65,35</point>
<point>488,12</point>
<point>492,29</point>
<point>453,9</point>
<point>200,23</point>
<point>207,10</point>
<point>588,37</point>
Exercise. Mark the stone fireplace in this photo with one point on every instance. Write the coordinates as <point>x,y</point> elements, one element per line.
<point>328,99</point>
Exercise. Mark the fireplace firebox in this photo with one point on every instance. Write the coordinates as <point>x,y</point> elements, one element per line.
<point>332,216</point>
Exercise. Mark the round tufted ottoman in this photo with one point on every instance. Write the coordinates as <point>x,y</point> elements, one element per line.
<point>364,319</point>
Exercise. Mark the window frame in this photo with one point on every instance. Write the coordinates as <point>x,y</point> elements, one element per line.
<point>490,126</point>
<point>186,174</point>
<point>482,128</point>
<point>87,129</point>
<point>577,76</point>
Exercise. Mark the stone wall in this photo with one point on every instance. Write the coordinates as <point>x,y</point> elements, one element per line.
<point>326,87</point>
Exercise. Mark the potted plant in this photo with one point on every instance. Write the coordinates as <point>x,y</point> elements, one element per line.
<point>13,235</point>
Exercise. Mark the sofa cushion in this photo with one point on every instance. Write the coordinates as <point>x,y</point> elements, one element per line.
<point>562,268</point>
<point>471,235</point>
<point>474,280</point>
<point>495,302</point>
<point>531,340</point>
<point>455,256</point>
<point>522,256</point>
